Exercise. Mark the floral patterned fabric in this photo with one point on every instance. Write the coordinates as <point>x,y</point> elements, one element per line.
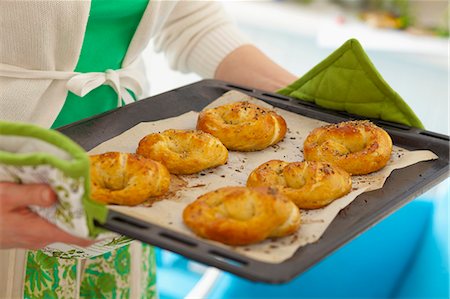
<point>148,277</point>
<point>105,276</point>
<point>49,277</point>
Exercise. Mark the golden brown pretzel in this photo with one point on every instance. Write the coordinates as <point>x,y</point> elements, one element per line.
<point>310,185</point>
<point>243,126</point>
<point>241,216</point>
<point>184,151</point>
<point>358,147</point>
<point>126,179</point>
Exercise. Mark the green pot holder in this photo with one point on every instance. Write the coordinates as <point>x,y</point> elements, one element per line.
<point>30,154</point>
<point>348,81</point>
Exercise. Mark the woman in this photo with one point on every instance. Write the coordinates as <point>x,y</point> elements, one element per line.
<point>61,61</point>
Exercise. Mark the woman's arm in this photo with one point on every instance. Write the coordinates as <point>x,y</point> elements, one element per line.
<point>248,66</point>
<point>199,36</point>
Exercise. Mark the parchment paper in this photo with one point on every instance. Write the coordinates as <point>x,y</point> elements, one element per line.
<point>167,211</point>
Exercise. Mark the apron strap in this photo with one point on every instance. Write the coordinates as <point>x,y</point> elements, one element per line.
<point>123,81</point>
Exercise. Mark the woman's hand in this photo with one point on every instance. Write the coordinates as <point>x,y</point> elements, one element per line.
<point>20,227</point>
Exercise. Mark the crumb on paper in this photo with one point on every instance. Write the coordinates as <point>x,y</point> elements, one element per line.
<point>167,210</point>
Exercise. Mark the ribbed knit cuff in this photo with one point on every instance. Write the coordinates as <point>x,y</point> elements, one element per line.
<point>213,48</point>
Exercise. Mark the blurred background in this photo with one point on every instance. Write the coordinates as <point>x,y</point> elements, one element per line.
<point>404,256</point>
<point>407,40</point>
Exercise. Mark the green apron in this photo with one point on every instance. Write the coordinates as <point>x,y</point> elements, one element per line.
<point>109,30</point>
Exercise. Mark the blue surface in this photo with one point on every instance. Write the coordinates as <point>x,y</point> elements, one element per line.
<point>174,279</point>
<point>428,275</point>
<point>404,256</point>
<point>371,266</point>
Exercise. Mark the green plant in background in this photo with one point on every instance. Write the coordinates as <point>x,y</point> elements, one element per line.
<point>409,14</point>
<point>402,10</point>
<point>394,14</point>
<point>304,1</point>
<point>444,30</point>
<point>398,14</point>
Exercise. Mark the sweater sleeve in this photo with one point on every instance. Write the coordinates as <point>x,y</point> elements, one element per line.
<point>197,36</point>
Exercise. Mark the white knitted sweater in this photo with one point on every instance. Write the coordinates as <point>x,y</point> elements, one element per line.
<point>41,42</point>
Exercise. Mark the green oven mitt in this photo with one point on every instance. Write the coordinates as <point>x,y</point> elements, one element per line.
<point>31,154</point>
<point>348,81</point>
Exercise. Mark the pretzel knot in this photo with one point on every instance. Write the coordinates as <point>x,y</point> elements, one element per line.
<point>184,151</point>
<point>310,185</point>
<point>126,179</point>
<point>241,216</point>
<point>358,147</point>
<point>243,126</point>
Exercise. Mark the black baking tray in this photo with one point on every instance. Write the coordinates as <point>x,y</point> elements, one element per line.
<point>402,186</point>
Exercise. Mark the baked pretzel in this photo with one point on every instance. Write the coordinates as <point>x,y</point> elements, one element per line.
<point>241,215</point>
<point>358,147</point>
<point>243,126</point>
<point>184,151</point>
<point>126,179</point>
<point>310,185</point>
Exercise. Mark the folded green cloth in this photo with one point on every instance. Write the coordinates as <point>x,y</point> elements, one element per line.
<point>348,81</point>
<point>31,154</point>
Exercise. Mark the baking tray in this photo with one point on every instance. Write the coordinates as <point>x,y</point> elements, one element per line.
<point>402,186</point>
